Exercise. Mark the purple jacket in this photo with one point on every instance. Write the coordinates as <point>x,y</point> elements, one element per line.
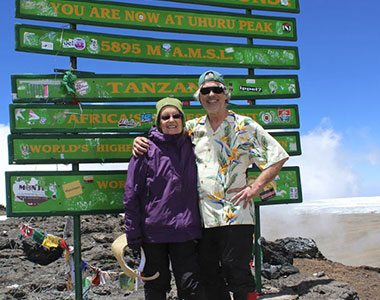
<point>161,197</point>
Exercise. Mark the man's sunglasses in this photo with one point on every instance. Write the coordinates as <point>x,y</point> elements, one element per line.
<point>214,89</point>
<point>174,116</point>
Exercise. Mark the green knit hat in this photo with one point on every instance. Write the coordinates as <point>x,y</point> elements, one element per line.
<point>211,75</point>
<point>169,102</point>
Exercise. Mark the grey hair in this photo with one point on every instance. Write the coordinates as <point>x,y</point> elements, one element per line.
<point>227,92</point>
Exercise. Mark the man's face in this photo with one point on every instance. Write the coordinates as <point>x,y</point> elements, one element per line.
<point>213,97</point>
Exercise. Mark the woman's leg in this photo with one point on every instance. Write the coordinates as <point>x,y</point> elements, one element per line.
<point>157,260</point>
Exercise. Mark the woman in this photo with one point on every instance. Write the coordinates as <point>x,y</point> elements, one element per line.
<point>161,206</point>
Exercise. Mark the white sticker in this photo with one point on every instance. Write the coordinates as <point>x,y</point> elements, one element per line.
<point>285,2</point>
<point>293,192</point>
<point>47,45</point>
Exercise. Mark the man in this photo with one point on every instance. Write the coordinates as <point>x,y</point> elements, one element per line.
<point>226,144</point>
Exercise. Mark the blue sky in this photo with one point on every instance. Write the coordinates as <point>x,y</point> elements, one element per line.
<point>339,106</point>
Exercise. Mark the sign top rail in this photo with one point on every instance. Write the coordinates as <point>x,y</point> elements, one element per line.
<point>291,6</point>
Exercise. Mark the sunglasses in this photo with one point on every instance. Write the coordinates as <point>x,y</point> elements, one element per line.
<point>174,116</point>
<point>214,89</point>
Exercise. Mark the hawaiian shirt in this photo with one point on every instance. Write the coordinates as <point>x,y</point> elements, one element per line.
<point>223,157</point>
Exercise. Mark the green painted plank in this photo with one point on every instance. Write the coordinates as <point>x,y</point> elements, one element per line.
<point>48,40</point>
<point>47,193</point>
<point>116,14</point>
<point>94,148</point>
<point>44,118</point>
<point>140,88</point>
<point>291,6</point>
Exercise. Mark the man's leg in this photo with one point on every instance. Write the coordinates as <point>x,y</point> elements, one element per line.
<point>157,259</point>
<point>184,259</point>
<point>236,256</point>
<point>212,276</point>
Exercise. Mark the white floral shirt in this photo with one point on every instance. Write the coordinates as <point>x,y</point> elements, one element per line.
<point>223,157</point>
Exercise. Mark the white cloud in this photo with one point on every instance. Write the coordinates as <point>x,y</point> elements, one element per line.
<point>325,166</point>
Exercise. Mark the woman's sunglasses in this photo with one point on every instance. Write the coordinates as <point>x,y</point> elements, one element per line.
<point>214,89</point>
<point>174,116</point>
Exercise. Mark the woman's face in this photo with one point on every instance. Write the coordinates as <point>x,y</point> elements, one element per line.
<point>171,120</point>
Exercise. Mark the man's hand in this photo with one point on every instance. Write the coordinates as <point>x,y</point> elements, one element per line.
<point>140,146</point>
<point>245,195</point>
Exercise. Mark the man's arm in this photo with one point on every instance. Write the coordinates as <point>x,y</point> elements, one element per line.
<point>140,146</point>
<point>250,191</point>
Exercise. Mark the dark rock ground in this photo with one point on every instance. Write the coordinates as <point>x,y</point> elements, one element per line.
<point>21,278</point>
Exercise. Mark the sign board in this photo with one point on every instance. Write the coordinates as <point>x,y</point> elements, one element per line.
<point>47,193</point>
<point>119,87</point>
<point>94,148</point>
<point>55,41</point>
<point>45,118</point>
<point>116,14</point>
<point>291,6</point>
<point>287,185</point>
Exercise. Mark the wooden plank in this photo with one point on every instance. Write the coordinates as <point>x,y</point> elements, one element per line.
<point>47,193</point>
<point>55,41</point>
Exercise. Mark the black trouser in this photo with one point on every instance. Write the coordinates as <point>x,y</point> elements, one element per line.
<point>225,253</point>
<point>184,261</point>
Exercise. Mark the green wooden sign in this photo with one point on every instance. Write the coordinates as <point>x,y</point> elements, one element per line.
<point>118,14</point>
<point>64,193</point>
<point>44,118</point>
<point>285,188</point>
<point>94,148</point>
<point>65,42</point>
<point>46,193</point>
<point>291,6</point>
<point>119,87</point>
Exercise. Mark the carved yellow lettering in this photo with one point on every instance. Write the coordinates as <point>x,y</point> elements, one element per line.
<point>148,87</point>
<point>112,118</point>
<point>169,20</point>
<point>179,19</point>
<point>73,118</point>
<point>177,52</point>
<point>67,9</point>
<point>115,86</point>
<point>35,148</point>
<point>55,6</point>
<point>153,17</point>
<point>163,87</point>
<point>46,148</point>
<point>105,13</point>
<point>223,55</point>
<point>153,51</point>
<point>179,87</point>
<point>268,27</point>
<point>56,148</point>
<point>94,13</point>
<point>102,184</point>
<point>192,86</point>
<point>115,14</point>
<point>132,86</point>
<point>137,117</point>
<point>83,118</point>
<point>195,53</point>
<point>211,53</point>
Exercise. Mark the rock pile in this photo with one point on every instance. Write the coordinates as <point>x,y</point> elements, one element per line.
<point>23,275</point>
